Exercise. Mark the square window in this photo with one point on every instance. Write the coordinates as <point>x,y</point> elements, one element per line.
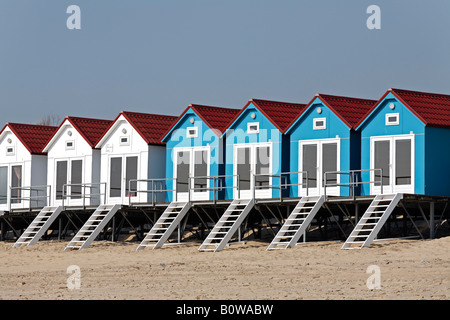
<point>70,145</point>
<point>392,119</point>
<point>319,123</point>
<point>192,132</point>
<point>9,151</point>
<point>253,127</point>
<point>124,141</point>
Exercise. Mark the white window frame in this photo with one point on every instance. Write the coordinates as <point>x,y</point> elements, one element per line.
<point>250,125</point>
<point>396,122</point>
<point>127,142</point>
<point>191,135</point>
<point>70,147</point>
<point>10,153</point>
<point>317,127</point>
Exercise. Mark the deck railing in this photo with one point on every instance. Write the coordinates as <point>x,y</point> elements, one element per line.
<point>39,195</point>
<point>154,187</point>
<point>218,184</point>
<point>284,182</point>
<point>94,189</point>
<point>353,180</point>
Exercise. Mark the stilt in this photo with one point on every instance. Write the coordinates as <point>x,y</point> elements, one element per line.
<point>431,220</point>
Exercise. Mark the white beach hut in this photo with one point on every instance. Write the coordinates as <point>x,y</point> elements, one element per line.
<point>131,150</point>
<point>23,166</point>
<point>73,168</point>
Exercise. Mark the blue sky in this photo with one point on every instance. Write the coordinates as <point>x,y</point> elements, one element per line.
<point>159,56</point>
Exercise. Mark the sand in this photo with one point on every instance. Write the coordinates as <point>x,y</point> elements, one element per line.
<point>408,269</point>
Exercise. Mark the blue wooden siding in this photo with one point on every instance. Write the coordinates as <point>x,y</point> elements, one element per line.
<point>302,130</point>
<point>437,161</point>
<point>176,138</point>
<point>375,125</point>
<point>237,134</point>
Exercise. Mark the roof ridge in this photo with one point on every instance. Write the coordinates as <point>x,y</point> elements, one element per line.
<point>442,95</point>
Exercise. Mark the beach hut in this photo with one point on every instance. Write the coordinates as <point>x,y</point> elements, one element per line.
<point>23,165</point>
<point>73,168</point>
<point>323,139</point>
<point>405,143</point>
<point>195,150</point>
<point>257,151</point>
<point>131,150</point>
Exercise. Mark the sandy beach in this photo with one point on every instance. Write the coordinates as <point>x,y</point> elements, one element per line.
<point>408,269</point>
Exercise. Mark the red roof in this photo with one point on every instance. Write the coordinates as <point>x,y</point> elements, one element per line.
<point>350,110</point>
<point>151,127</point>
<point>433,109</point>
<point>217,118</point>
<point>280,114</point>
<point>33,137</point>
<point>92,130</point>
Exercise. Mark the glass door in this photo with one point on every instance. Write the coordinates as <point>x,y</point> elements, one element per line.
<point>3,185</point>
<point>69,173</point>
<point>123,172</point>
<point>318,157</point>
<point>252,169</point>
<point>395,156</point>
<point>192,163</point>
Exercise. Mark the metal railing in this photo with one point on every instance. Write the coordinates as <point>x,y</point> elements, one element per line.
<point>157,186</point>
<point>282,176</point>
<point>82,194</point>
<point>218,184</point>
<point>353,180</point>
<point>41,200</point>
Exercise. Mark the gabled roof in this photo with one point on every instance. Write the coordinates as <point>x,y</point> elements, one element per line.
<point>90,129</point>
<point>433,109</point>
<point>150,127</point>
<point>280,114</point>
<point>33,137</point>
<point>216,118</point>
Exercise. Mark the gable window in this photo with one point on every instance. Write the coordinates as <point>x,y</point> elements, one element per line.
<point>70,145</point>
<point>124,141</point>
<point>9,151</point>
<point>392,119</point>
<point>319,123</point>
<point>191,132</point>
<point>253,127</point>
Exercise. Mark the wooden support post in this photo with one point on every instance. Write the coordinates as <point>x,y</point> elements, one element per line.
<point>431,220</point>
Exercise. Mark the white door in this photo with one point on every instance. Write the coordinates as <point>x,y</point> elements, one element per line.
<point>395,156</point>
<point>191,163</point>
<point>252,168</point>
<point>123,171</point>
<point>317,157</point>
<point>69,180</point>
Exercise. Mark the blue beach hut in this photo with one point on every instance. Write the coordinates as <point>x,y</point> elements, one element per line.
<point>405,143</point>
<point>257,152</point>
<point>323,139</point>
<point>194,152</point>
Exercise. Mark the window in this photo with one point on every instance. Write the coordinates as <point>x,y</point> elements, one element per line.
<point>9,151</point>
<point>319,123</point>
<point>392,119</point>
<point>124,141</point>
<point>192,132</point>
<point>70,145</point>
<point>253,127</point>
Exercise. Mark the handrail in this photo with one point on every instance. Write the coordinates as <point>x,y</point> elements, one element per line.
<point>353,180</point>
<point>281,185</point>
<point>215,188</point>
<point>30,198</point>
<point>152,190</point>
<point>83,195</point>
